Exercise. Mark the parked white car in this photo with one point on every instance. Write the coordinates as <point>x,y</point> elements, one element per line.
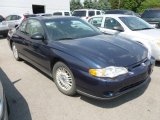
<point>62,13</point>
<point>130,27</point>
<point>86,13</point>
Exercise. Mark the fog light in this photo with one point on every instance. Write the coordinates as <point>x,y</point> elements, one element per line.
<point>109,94</point>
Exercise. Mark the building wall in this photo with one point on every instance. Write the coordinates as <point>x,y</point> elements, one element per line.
<point>8,7</point>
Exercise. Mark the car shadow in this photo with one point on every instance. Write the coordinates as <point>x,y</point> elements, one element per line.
<point>18,107</point>
<point>29,64</point>
<point>50,78</point>
<point>158,63</point>
<point>117,101</point>
<point>1,37</point>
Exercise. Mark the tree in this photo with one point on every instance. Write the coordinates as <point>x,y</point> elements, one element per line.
<point>75,4</point>
<point>101,4</point>
<point>88,4</point>
<point>127,4</point>
<point>149,4</point>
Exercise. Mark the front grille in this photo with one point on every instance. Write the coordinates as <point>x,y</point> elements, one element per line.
<point>131,86</point>
<point>137,64</point>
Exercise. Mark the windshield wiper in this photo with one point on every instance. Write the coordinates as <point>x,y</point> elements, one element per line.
<point>143,29</point>
<point>67,38</point>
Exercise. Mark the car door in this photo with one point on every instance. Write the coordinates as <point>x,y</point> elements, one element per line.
<point>36,51</point>
<point>110,26</point>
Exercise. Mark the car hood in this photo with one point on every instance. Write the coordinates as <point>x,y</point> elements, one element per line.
<point>151,34</point>
<point>102,51</point>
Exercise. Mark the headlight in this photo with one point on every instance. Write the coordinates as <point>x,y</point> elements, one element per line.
<point>109,72</point>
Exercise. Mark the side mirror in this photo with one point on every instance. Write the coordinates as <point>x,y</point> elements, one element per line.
<point>16,26</point>
<point>118,28</point>
<point>94,22</point>
<point>37,36</point>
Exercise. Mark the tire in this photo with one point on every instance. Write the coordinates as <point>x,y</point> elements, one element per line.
<point>64,79</point>
<point>15,52</point>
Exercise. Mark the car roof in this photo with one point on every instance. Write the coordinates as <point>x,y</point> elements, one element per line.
<point>43,18</point>
<point>114,15</point>
<point>85,9</point>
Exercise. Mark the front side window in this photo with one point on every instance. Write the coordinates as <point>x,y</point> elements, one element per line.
<point>18,17</point>
<point>14,17</point>
<point>97,21</point>
<point>22,27</point>
<point>111,23</point>
<point>91,13</point>
<point>34,26</point>
<point>62,29</point>
<point>8,18</point>
<point>135,23</point>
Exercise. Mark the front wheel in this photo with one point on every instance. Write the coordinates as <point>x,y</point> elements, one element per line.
<point>64,79</point>
<point>15,52</point>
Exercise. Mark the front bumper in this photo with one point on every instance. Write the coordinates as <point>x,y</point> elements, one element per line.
<point>100,88</point>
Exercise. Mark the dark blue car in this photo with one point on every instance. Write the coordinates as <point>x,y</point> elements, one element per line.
<point>80,58</point>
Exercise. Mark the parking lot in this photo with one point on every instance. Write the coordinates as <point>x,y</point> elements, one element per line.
<point>33,96</point>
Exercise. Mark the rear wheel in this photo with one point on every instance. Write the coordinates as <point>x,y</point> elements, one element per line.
<point>64,79</point>
<point>15,52</point>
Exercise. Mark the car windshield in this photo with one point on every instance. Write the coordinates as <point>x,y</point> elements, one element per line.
<point>135,23</point>
<point>65,29</point>
<point>79,13</point>
<point>151,14</point>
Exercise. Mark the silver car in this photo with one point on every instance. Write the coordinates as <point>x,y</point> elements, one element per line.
<point>14,20</point>
<point>3,27</point>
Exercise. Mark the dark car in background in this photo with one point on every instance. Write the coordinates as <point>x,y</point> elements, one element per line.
<point>80,58</point>
<point>152,16</point>
<point>3,27</point>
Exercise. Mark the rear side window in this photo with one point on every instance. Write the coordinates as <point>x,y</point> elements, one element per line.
<point>151,14</point>
<point>58,13</point>
<point>79,13</point>
<point>66,14</point>
<point>91,13</point>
